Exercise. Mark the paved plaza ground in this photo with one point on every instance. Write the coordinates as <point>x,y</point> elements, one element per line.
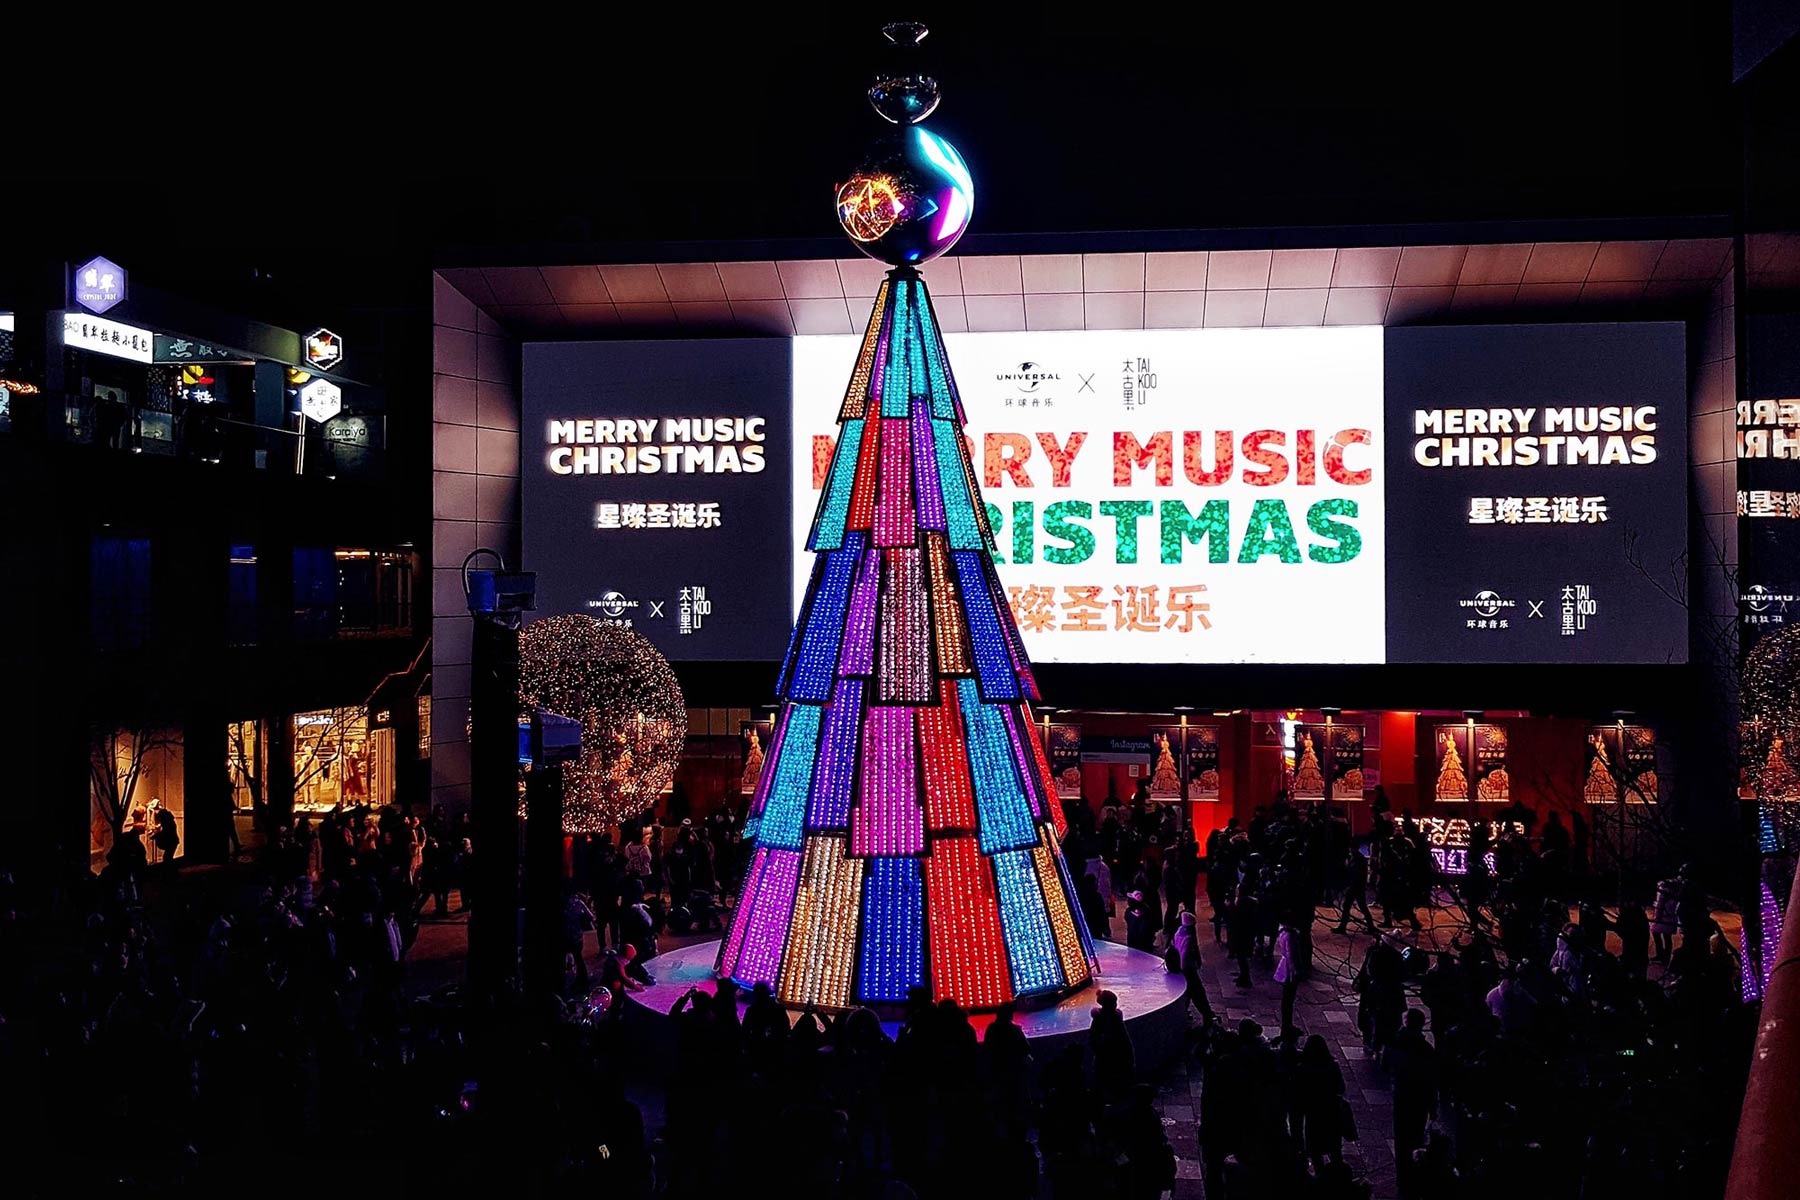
<point>1326,1005</point>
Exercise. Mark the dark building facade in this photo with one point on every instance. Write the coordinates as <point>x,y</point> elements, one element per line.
<point>218,613</point>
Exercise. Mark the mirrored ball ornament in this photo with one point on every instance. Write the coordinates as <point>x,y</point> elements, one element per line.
<point>904,99</point>
<point>909,200</point>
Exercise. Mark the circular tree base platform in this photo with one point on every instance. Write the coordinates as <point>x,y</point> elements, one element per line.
<point>1152,1000</point>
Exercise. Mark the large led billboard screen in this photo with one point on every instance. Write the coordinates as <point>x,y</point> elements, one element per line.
<point>654,489</point>
<point>1162,495</point>
<point>1322,495</point>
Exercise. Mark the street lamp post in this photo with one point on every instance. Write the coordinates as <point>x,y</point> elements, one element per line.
<point>1182,819</point>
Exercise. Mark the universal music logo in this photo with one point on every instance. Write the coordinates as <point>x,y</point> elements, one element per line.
<point>612,604</point>
<point>1029,378</point>
<point>1758,598</point>
<point>1487,604</point>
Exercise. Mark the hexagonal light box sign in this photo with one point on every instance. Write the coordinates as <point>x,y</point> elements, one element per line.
<point>321,400</point>
<point>324,350</point>
<point>99,284</point>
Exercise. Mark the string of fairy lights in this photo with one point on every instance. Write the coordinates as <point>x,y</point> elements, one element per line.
<point>633,718</point>
<point>1771,706</point>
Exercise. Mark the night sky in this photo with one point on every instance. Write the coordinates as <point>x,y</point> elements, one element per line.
<point>335,173</point>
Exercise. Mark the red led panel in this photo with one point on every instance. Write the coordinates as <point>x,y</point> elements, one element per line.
<point>862,492</point>
<point>949,800</point>
<point>895,523</point>
<point>968,950</point>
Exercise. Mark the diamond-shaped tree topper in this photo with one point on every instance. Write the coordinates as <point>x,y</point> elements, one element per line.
<point>321,400</point>
<point>99,284</point>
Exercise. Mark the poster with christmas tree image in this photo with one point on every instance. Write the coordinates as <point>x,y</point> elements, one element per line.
<point>1165,762</point>
<point>1308,780</point>
<point>754,744</point>
<point>1453,750</point>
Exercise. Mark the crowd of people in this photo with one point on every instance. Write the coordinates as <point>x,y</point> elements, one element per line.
<point>180,1025</point>
<point>935,1110</point>
<point>1523,1049</point>
<point>200,1021</point>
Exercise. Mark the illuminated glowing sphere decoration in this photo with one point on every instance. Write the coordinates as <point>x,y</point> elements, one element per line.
<point>1771,728</point>
<point>633,718</point>
<point>911,196</point>
<point>909,199</point>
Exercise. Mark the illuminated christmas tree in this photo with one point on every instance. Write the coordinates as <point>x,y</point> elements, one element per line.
<point>1601,787</point>
<point>1166,780</point>
<point>1308,779</point>
<point>753,764</point>
<point>1452,782</point>
<point>906,825</point>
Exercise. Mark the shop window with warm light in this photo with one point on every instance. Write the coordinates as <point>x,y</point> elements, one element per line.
<point>341,759</point>
<point>135,776</point>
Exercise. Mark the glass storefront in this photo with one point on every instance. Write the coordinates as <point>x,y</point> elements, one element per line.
<point>341,758</point>
<point>134,776</point>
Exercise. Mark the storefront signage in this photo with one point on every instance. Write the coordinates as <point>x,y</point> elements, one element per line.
<point>324,350</point>
<point>102,336</point>
<point>1114,748</point>
<point>99,284</point>
<point>348,431</point>
<point>321,400</point>
<point>186,350</point>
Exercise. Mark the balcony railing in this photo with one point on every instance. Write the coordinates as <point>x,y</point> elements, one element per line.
<point>202,435</point>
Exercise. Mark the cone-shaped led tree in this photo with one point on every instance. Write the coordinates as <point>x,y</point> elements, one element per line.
<point>906,825</point>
